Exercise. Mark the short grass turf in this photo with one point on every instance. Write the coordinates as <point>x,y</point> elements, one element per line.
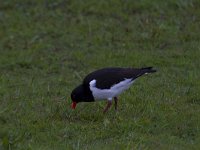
<point>48,46</point>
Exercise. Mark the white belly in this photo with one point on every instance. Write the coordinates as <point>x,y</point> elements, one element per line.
<point>114,91</point>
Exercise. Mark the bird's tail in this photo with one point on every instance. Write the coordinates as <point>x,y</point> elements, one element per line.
<point>148,70</point>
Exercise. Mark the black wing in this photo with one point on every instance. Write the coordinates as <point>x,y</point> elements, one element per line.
<point>107,77</point>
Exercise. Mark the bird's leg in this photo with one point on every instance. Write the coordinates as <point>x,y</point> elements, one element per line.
<point>108,106</point>
<point>116,100</point>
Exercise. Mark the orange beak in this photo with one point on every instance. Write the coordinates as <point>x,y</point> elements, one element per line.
<point>73,106</point>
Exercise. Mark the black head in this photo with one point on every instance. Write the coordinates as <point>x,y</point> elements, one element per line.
<point>81,94</point>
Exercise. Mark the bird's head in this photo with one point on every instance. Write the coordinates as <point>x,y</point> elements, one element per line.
<point>80,94</point>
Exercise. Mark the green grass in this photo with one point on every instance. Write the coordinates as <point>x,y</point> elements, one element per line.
<point>47,47</point>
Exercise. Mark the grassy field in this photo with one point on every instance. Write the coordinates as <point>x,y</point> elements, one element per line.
<point>47,47</point>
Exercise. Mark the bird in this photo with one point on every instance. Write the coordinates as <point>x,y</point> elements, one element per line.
<point>107,84</point>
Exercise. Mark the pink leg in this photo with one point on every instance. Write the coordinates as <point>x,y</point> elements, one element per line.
<point>116,100</point>
<point>108,106</point>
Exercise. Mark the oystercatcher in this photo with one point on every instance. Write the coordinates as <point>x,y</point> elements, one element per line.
<point>106,84</point>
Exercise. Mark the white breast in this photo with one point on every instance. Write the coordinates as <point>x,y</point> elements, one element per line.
<point>114,91</point>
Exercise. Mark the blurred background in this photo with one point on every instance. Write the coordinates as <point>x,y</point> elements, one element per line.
<point>48,46</point>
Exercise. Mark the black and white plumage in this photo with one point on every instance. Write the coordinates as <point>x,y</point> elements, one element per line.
<point>107,84</point>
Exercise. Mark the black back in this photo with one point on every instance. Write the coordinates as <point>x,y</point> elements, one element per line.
<point>107,77</point>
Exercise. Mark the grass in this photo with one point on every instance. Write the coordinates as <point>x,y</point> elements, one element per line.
<point>47,47</point>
